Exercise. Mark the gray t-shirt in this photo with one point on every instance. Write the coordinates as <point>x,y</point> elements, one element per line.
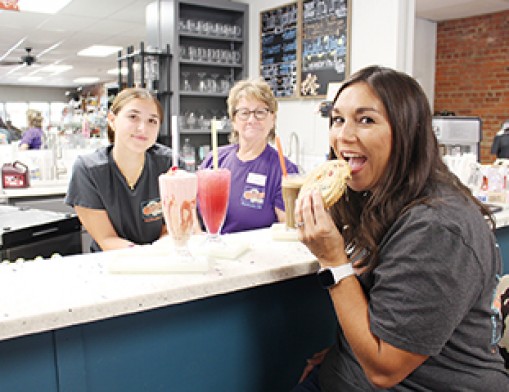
<point>97,183</point>
<point>432,294</point>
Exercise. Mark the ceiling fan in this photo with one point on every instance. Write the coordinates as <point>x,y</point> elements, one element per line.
<point>27,59</point>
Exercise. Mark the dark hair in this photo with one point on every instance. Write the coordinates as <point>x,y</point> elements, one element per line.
<point>126,96</point>
<point>2,124</point>
<point>415,164</point>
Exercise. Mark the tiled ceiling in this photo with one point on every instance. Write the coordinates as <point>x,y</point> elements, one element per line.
<point>122,23</point>
<point>77,26</point>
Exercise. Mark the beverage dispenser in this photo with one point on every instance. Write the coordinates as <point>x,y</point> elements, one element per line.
<point>458,135</point>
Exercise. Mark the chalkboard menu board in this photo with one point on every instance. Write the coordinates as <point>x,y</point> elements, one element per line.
<point>324,55</point>
<point>279,48</point>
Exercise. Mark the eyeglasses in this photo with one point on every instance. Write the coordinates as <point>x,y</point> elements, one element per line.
<point>259,114</point>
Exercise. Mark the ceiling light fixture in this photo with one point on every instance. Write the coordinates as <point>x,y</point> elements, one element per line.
<point>54,46</point>
<point>124,71</point>
<point>43,7</point>
<point>99,51</point>
<point>30,78</point>
<point>114,71</point>
<point>16,68</point>
<point>13,48</point>
<point>86,80</point>
<point>56,69</point>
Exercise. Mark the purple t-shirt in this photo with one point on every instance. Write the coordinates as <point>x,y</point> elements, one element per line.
<point>32,137</point>
<point>255,188</point>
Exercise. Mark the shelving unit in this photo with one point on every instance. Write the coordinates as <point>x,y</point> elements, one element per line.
<point>210,52</point>
<point>149,68</point>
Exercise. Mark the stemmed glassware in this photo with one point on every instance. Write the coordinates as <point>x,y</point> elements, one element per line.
<point>178,191</point>
<point>186,81</point>
<point>213,84</point>
<point>202,85</point>
<point>213,196</point>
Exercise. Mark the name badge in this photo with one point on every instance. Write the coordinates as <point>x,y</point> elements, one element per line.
<point>256,179</point>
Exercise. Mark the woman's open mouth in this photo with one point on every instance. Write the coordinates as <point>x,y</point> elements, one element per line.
<point>355,161</point>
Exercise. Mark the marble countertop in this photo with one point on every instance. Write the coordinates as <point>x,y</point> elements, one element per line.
<point>42,295</point>
<point>502,217</point>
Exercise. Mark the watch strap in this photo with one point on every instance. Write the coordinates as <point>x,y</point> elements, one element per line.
<point>339,273</point>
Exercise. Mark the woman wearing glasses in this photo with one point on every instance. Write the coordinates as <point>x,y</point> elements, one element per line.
<point>255,194</point>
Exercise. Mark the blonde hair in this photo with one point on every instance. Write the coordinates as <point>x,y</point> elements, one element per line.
<point>126,96</point>
<point>255,89</point>
<point>34,118</point>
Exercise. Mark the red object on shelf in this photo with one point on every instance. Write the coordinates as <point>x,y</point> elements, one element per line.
<point>15,175</point>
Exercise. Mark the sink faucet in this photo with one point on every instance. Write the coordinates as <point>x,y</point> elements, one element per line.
<point>295,144</point>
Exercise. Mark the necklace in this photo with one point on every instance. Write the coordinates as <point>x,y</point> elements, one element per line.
<point>132,183</point>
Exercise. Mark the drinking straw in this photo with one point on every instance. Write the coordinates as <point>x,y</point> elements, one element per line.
<point>281,156</point>
<point>174,141</point>
<point>215,163</point>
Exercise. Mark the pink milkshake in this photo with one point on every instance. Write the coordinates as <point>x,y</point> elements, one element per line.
<point>178,190</point>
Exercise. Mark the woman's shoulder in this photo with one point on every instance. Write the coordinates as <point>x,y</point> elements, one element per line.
<point>97,158</point>
<point>223,154</point>
<point>160,150</point>
<point>227,150</point>
<point>449,209</point>
<point>160,156</point>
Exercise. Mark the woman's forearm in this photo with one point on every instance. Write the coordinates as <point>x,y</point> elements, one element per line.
<point>383,364</point>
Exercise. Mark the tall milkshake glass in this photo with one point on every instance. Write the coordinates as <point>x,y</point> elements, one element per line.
<point>213,196</point>
<point>178,190</point>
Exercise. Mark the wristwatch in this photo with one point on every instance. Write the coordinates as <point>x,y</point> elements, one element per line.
<point>331,276</point>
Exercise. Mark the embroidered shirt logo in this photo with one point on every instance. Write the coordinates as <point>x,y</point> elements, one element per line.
<point>151,210</point>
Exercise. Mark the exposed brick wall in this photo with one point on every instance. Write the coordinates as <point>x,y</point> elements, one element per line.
<point>472,72</point>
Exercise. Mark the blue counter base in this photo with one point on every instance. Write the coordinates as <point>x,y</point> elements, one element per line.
<point>252,340</point>
<point>503,241</point>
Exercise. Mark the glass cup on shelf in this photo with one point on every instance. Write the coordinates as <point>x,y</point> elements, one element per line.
<point>215,55</point>
<point>236,56</point>
<point>193,53</point>
<point>191,120</point>
<point>212,82</point>
<point>224,55</point>
<point>207,118</point>
<point>225,84</point>
<point>186,81</point>
<point>208,28</point>
<point>219,28</point>
<point>182,25</point>
<point>183,52</point>
<point>237,31</point>
<point>191,26</point>
<point>202,85</point>
<point>200,119</point>
<point>199,26</point>
<point>202,54</point>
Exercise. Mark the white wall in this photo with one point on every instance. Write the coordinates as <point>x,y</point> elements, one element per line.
<point>425,56</point>
<point>382,32</point>
<point>32,94</point>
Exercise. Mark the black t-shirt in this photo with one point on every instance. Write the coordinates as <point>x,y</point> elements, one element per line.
<point>500,145</point>
<point>432,294</point>
<point>136,214</point>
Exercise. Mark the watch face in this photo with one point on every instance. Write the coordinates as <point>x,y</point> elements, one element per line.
<point>326,278</point>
